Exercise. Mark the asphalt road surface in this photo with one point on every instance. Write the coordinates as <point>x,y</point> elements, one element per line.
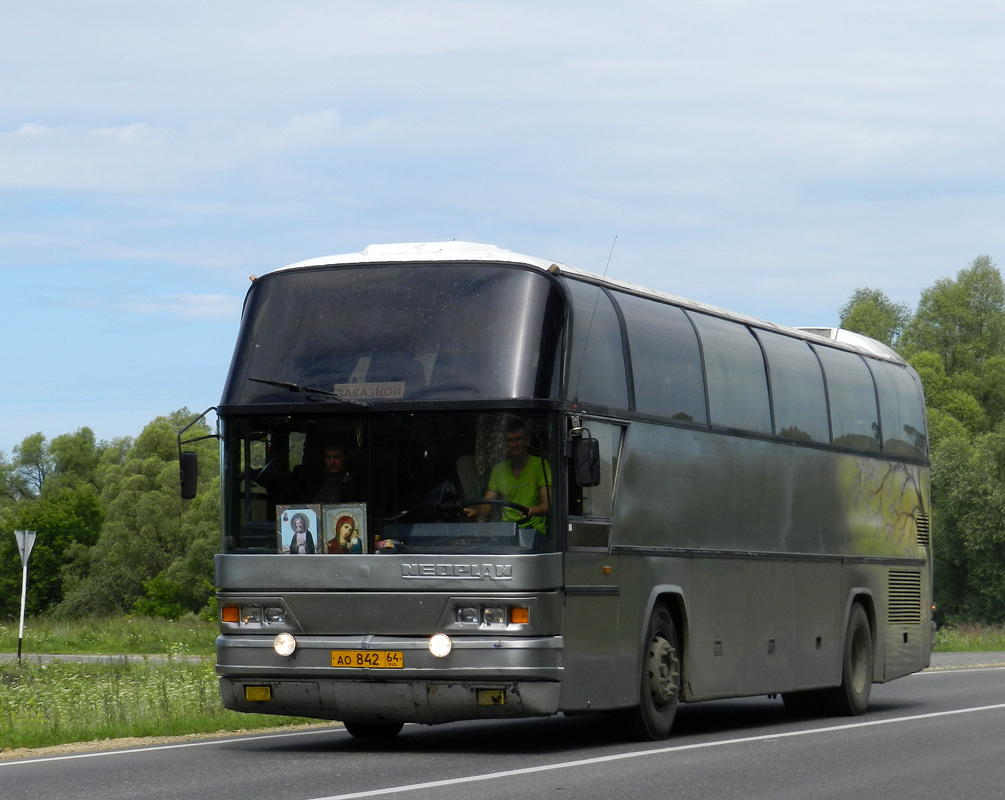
<point>939,734</point>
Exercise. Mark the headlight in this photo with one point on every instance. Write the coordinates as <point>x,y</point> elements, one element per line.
<point>285,644</point>
<point>440,645</point>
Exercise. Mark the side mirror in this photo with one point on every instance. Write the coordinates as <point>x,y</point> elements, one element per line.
<point>586,461</point>
<point>188,464</point>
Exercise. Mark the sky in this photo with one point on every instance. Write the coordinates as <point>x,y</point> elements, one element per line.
<point>766,157</point>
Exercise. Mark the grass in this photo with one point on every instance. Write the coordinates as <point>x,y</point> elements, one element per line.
<point>125,635</point>
<point>970,638</point>
<point>61,702</point>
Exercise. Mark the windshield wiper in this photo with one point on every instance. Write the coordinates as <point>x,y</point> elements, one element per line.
<point>312,394</point>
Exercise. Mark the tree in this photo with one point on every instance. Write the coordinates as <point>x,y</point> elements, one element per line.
<point>152,545</point>
<point>961,320</point>
<point>32,465</point>
<point>872,313</point>
<point>63,519</point>
<point>74,457</point>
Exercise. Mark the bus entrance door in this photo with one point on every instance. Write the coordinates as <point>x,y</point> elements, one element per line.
<point>590,632</point>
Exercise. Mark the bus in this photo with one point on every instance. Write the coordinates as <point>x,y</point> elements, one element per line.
<point>460,483</point>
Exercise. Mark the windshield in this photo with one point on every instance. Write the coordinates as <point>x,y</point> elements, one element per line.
<point>394,332</point>
<point>389,483</point>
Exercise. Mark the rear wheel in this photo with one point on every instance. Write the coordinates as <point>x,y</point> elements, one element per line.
<point>851,698</point>
<point>660,680</point>
<point>373,730</point>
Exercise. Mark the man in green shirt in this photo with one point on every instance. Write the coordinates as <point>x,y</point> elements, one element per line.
<point>523,479</point>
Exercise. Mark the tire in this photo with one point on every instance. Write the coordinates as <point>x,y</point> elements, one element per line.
<point>659,691</point>
<point>373,730</point>
<point>851,698</point>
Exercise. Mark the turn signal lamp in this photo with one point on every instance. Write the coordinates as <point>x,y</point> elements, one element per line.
<point>519,615</point>
<point>230,614</point>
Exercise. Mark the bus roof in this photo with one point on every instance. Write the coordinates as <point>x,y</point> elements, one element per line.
<point>471,251</point>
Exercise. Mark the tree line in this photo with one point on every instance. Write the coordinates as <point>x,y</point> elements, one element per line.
<point>115,537</point>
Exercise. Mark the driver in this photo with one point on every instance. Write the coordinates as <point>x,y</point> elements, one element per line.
<point>523,479</point>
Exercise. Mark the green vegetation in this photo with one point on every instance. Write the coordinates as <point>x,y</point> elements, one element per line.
<point>970,639</point>
<point>124,635</point>
<point>60,702</point>
<point>114,536</point>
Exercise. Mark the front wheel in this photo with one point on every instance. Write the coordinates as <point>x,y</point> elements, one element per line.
<point>660,680</point>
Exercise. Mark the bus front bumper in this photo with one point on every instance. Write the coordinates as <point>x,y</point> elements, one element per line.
<point>481,678</point>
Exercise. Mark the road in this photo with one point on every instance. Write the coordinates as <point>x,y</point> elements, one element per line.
<point>939,734</point>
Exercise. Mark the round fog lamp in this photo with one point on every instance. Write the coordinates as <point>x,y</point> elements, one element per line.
<point>285,644</point>
<point>440,645</point>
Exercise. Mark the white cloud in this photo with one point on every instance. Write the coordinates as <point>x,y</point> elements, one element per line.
<point>184,306</point>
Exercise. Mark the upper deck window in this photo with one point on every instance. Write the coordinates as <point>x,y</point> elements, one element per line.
<point>902,410</point>
<point>734,367</point>
<point>391,332</point>
<point>666,362</point>
<point>597,369</point>
<point>852,395</point>
<point>797,388</point>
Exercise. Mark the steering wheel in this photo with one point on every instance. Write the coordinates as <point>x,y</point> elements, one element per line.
<point>496,501</point>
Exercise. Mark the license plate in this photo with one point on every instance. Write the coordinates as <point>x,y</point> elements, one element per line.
<point>372,659</point>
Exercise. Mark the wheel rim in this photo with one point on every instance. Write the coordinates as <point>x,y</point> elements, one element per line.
<point>663,671</point>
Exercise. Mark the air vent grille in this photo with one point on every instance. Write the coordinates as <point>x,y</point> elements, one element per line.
<point>904,597</point>
<point>924,531</point>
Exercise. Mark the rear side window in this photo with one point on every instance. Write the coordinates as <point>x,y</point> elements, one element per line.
<point>597,366</point>
<point>797,388</point>
<point>734,368</point>
<point>902,410</point>
<point>666,361</point>
<point>852,395</point>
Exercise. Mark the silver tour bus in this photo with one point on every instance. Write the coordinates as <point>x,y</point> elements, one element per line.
<point>461,483</point>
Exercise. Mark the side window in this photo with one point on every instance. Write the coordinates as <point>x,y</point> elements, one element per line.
<point>666,361</point>
<point>852,395</point>
<point>591,508</point>
<point>734,368</point>
<point>902,410</point>
<point>598,501</point>
<point>797,388</point>
<point>597,367</point>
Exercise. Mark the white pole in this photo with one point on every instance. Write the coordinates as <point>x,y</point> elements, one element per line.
<point>24,596</point>
<point>25,541</point>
